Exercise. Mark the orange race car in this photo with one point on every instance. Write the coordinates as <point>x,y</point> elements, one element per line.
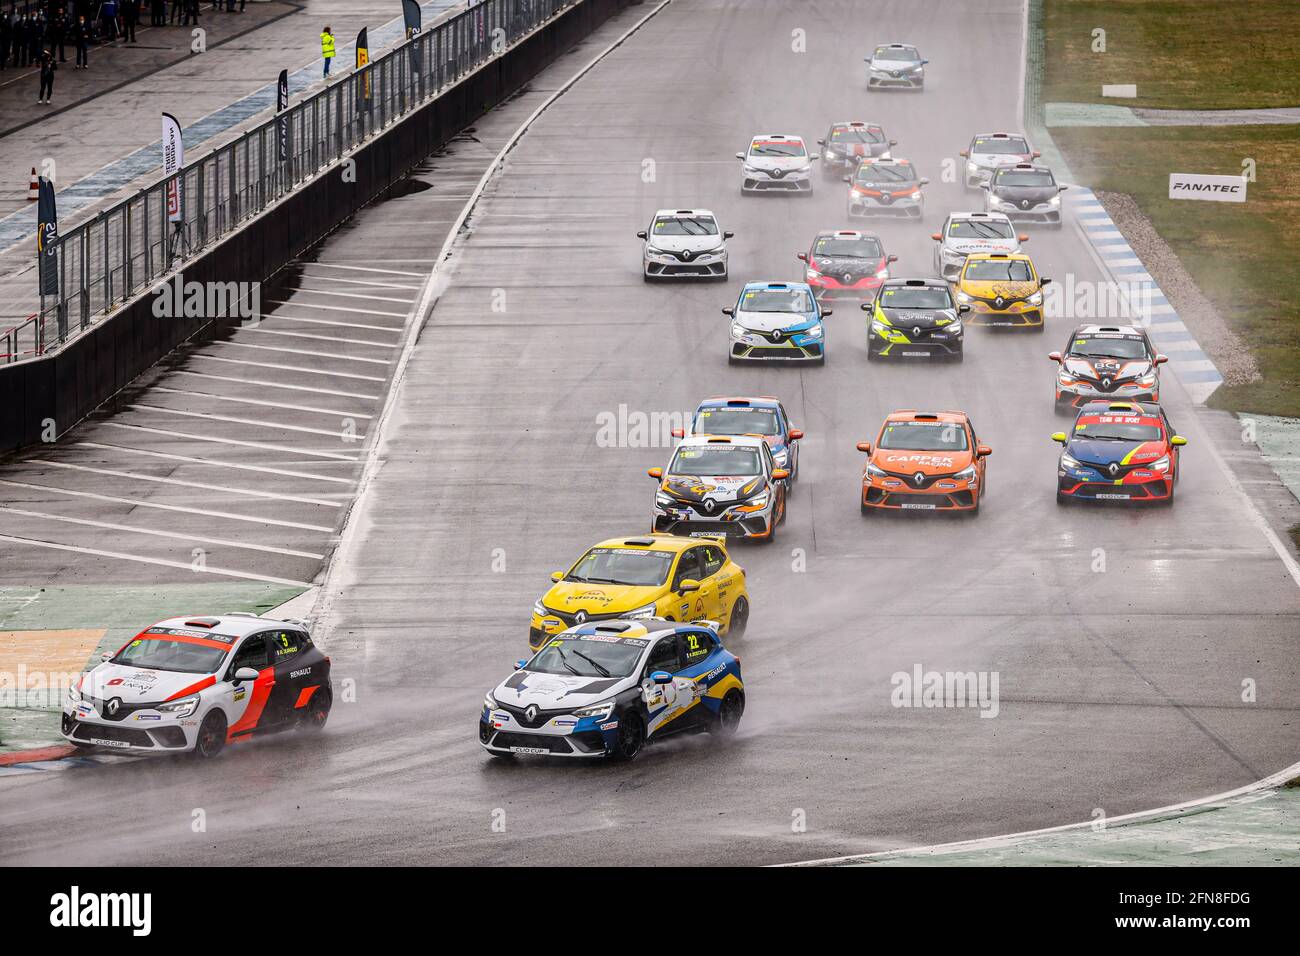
<point>924,461</point>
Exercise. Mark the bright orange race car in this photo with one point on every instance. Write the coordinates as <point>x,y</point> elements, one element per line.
<point>924,461</point>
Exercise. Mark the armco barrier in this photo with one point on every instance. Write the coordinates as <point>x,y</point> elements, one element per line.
<point>44,398</point>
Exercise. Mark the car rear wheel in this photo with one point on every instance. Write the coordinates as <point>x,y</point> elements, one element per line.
<point>212,736</point>
<point>739,619</point>
<point>318,711</point>
<point>727,722</point>
<point>631,737</point>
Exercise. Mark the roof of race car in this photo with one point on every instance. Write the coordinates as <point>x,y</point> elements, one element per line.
<point>227,625</point>
<point>1107,330</point>
<point>722,401</point>
<point>912,415</point>
<point>900,282</point>
<point>854,124</point>
<point>655,541</point>
<point>683,213</point>
<point>764,137</point>
<point>1013,256</point>
<point>964,216</point>
<point>693,441</point>
<point>645,627</point>
<point>845,234</point>
<point>751,286</point>
<point>996,136</point>
<point>1138,409</point>
<point>1032,167</point>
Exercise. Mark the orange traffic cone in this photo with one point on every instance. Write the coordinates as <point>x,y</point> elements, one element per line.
<point>34,190</point>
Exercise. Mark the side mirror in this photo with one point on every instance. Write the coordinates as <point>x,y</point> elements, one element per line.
<point>812,156</point>
<point>740,155</point>
<point>519,664</point>
<point>245,673</point>
<point>1059,438</point>
<point>821,142</point>
<point>868,306</point>
<point>963,309</point>
<point>924,181</point>
<point>1054,356</point>
<point>641,234</point>
<point>936,236</point>
<point>780,474</point>
<point>848,179</point>
<point>1022,238</point>
<point>1035,154</point>
<point>983,451</point>
<point>728,311</point>
<point>1162,359</point>
<point>893,142</point>
<point>924,62</point>
<point>1178,441</point>
<point>1042,282</point>
<point>801,256</point>
<point>557,576</point>
<point>827,313</point>
<point>864,447</point>
<point>686,585</point>
<point>661,677</point>
<point>964,154</point>
<point>655,473</point>
<point>795,434</point>
<point>1061,189</point>
<point>891,258</point>
<point>728,235</point>
<point>106,656</point>
<point>984,186</point>
<point>678,433</point>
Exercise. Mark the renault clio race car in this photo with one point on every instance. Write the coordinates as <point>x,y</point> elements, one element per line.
<point>684,243</point>
<point>764,416</point>
<point>776,161</point>
<point>967,233</point>
<point>988,151</point>
<point>1119,451</point>
<point>924,461</point>
<point>777,321</point>
<point>1107,363</point>
<point>886,187</point>
<point>606,689</point>
<point>895,66</point>
<point>656,575</point>
<point>847,144</point>
<point>845,262</point>
<point>915,318</point>
<point>195,684</point>
<point>721,485</point>
<point>1026,193</point>
<point>1002,290</point>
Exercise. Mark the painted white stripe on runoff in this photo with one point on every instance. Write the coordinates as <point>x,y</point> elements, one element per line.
<point>324,338</point>
<point>310,353</point>
<point>333,456</point>
<point>215,463</point>
<point>392,272</point>
<point>288,368</point>
<point>153,532</point>
<point>363,282</point>
<point>342,325</point>
<point>296,388</point>
<point>257,401</point>
<point>162,562</point>
<point>347,295</point>
<point>136,503</point>
<point>224,489</point>
<point>340,308</point>
<point>245,421</point>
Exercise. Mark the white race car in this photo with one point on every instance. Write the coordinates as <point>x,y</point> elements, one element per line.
<point>198,683</point>
<point>684,242</point>
<point>896,66</point>
<point>719,484</point>
<point>776,161</point>
<point>964,233</point>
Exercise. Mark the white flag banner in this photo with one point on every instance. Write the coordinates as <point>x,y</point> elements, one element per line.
<point>1209,188</point>
<point>173,160</point>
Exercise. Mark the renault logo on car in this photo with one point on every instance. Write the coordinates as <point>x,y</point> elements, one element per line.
<point>580,617</point>
<point>113,706</point>
<point>709,506</point>
<point>531,712</point>
<point>1114,468</point>
<point>919,478</point>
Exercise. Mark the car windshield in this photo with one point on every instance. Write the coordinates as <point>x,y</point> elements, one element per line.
<point>588,655</point>
<point>1026,177</point>
<point>1000,146</point>
<point>857,134</point>
<point>980,229</point>
<point>885,173</point>
<point>776,300</point>
<point>783,147</point>
<point>1125,347</point>
<point>923,436</point>
<point>865,248</point>
<point>174,654</point>
<point>1117,429</point>
<point>995,270</point>
<point>916,297</point>
<point>686,226</point>
<point>632,566</point>
<point>736,420</point>
<point>716,461</point>
<point>906,54</point>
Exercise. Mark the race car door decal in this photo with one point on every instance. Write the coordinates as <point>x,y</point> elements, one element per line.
<point>292,675</point>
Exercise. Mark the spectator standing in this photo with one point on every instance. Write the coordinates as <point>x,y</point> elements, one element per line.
<point>178,8</point>
<point>59,35</point>
<point>81,37</point>
<point>48,66</point>
<point>327,50</point>
<point>157,13</point>
<point>6,35</point>
<point>20,42</point>
<point>130,17</point>
<point>35,39</point>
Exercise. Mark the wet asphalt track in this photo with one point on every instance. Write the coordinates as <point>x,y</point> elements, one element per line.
<point>1120,689</point>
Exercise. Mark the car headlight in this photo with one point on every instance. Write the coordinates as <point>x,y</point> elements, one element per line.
<point>1147,380</point>
<point>813,273</point>
<point>1036,298</point>
<point>972,168</point>
<point>180,708</point>
<point>879,327</point>
<point>962,297</point>
<point>814,332</point>
<point>875,472</point>
<point>752,169</point>
<point>738,330</point>
<point>953,327</point>
<point>916,195</point>
<point>664,500</point>
<point>489,701</point>
<point>599,711</point>
<point>758,501</point>
<point>966,474</point>
<point>1067,461</point>
<point>1064,377</point>
<point>828,155</point>
<point>74,695</point>
<point>951,254</point>
<point>1160,464</point>
<point>647,611</point>
<point>1054,201</point>
<point>781,457</point>
<point>539,608</point>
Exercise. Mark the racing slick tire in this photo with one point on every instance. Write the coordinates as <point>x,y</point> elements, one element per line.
<point>318,711</point>
<point>212,736</point>
<point>631,737</point>
<point>727,722</point>
<point>739,620</point>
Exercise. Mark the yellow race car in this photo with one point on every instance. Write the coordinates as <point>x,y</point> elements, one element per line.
<point>655,575</point>
<point>1002,289</point>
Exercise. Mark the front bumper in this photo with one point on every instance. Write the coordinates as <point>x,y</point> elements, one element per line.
<point>759,348</point>
<point>904,207</point>
<point>1093,487</point>
<point>164,735</point>
<point>894,494</point>
<point>583,737</point>
<point>983,315</point>
<point>880,79</point>
<point>1050,215</point>
<point>827,285</point>
<point>733,522</point>
<point>894,343</point>
<point>697,267</point>
<point>948,267</point>
<point>757,182</point>
<point>1080,393</point>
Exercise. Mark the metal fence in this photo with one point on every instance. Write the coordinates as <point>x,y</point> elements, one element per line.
<point>126,248</point>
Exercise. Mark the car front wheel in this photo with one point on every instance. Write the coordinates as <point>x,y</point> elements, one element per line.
<point>212,736</point>
<point>631,737</point>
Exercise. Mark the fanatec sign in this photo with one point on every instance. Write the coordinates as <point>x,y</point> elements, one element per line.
<point>1211,188</point>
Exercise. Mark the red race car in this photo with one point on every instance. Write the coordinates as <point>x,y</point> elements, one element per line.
<point>846,262</point>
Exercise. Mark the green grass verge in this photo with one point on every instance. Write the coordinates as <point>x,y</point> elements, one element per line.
<point>1182,54</point>
<point>1245,257</point>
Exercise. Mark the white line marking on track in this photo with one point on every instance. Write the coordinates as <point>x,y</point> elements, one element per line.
<point>308,352</point>
<point>334,456</point>
<point>288,368</point>
<point>246,421</point>
<point>163,562</point>
<point>109,526</point>
<point>338,308</point>
<point>396,329</point>
<point>347,295</point>
<point>296,388</point>
<point>216,464</point>
<point>224,489</point>
<point>324,338</point>
<point>136,503</point>
<point>365,282</point>
<point>257,401</point>
<point>391,272</point>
